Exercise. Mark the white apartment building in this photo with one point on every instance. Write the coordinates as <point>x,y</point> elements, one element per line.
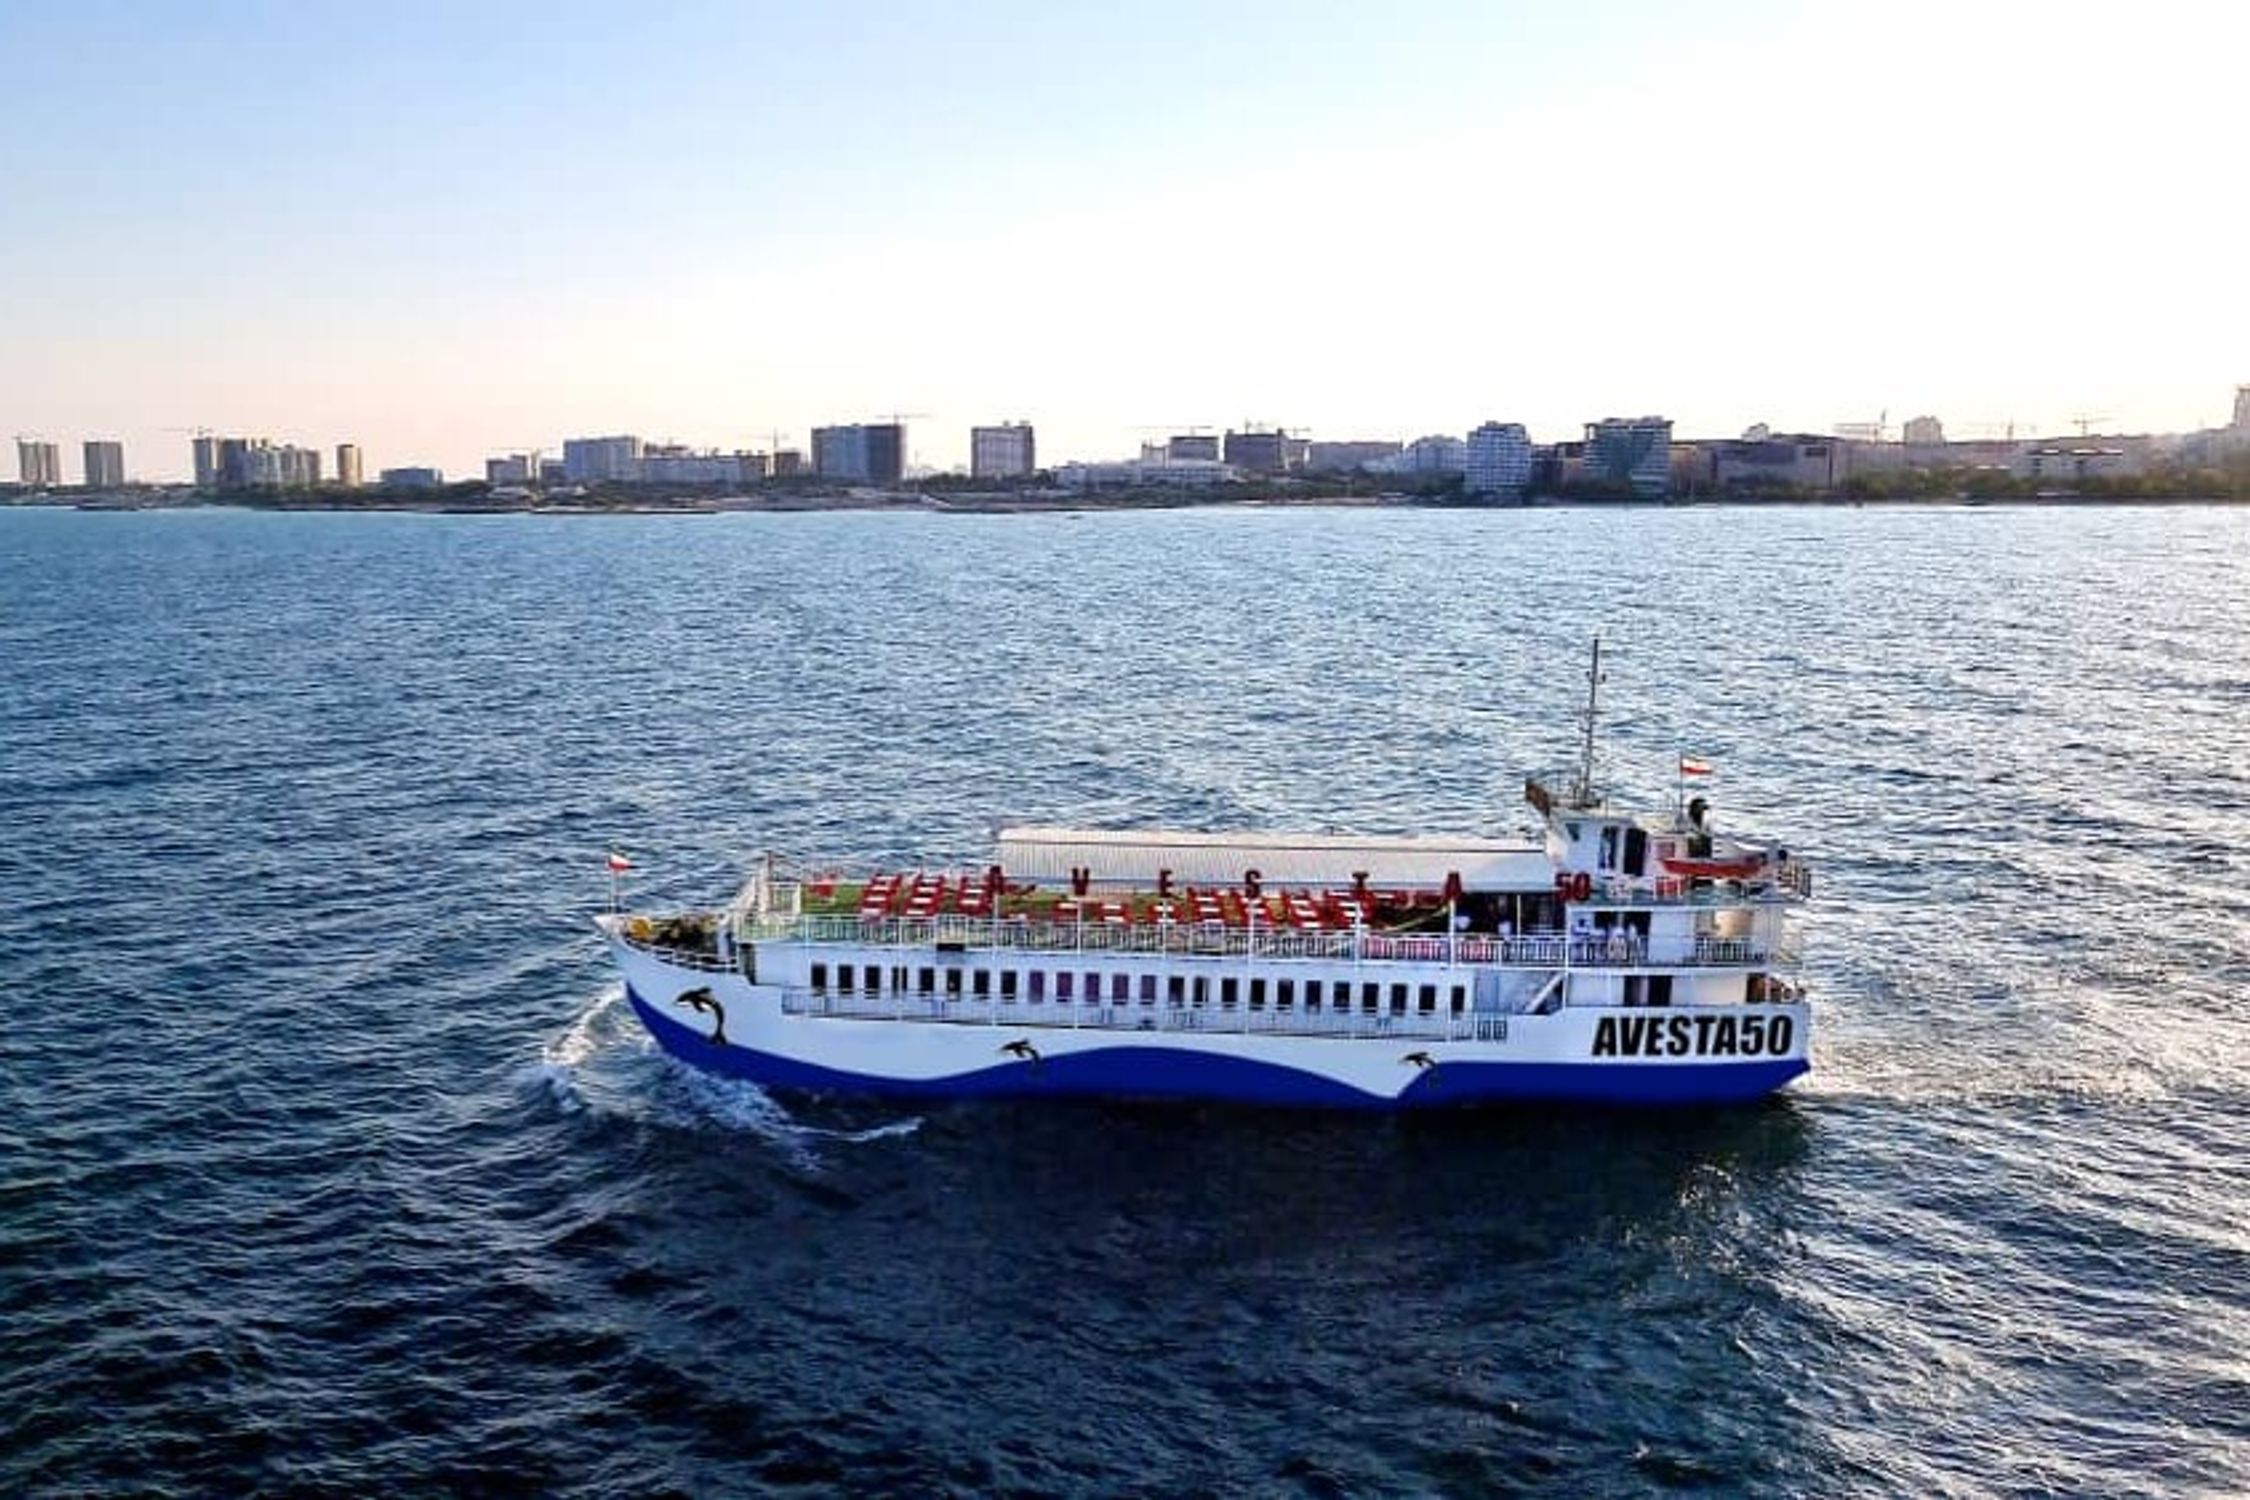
<point>603,459</point>
<point>1437,453</point>
<point>1181,471</point>
<point>1497,460</point>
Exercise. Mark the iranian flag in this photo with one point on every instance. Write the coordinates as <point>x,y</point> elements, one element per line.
<point>1692,765</point>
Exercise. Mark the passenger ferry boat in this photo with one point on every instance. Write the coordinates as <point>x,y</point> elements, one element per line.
<point>1625,959</point>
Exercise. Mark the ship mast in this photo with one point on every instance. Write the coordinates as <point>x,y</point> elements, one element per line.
<point>1582,794</point>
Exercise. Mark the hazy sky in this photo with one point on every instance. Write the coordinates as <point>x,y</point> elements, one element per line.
<point>446,230</point>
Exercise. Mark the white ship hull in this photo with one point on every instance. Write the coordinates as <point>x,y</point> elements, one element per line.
<point>938,1047</point>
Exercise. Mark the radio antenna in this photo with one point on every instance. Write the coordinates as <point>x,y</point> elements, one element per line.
<point>1582,795</point>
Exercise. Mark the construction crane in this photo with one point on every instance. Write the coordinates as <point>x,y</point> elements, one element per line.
<point>2087,422</point>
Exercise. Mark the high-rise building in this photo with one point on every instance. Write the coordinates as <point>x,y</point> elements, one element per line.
<point>300,467</point>
<point>1498,461</point>
<point>863,453</point>
<point>1258,452</point>
<point>1632,450</point>
<point>2242,407</point>
<point>1198,447</point>
<point>1922,432</point>
<point>260,464</point>
<point>349,472</point>
<point>412,479</point>
<point>674,463</point>
<point>516,468</point>
<point>206,451</point>
<point>1437,453</point>
<point>38,463</point>
<point>1004,452</point>
<point>788,462</point>
<point>234,464</point>
<point>105,464</point>
<point>604,460</point>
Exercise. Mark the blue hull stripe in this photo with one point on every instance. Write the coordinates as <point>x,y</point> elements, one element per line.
<point>1164,1073</point>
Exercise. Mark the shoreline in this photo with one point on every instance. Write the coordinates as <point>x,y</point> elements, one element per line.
<point>921,504</point>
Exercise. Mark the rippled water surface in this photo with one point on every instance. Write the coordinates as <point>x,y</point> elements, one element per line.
<point>331,1161</point>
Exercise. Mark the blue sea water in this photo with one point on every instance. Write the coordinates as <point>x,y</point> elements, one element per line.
<point>331,1160</point>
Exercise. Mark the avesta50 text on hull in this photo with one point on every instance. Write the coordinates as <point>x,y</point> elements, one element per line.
<point>1628,960</point>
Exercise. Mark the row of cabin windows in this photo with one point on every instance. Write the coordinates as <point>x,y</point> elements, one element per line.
<point>1065,987</point>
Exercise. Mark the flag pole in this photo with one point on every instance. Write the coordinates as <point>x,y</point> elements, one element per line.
<point>618,865</point>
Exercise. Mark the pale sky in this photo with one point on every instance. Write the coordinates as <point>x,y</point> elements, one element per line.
<point>448,230</point>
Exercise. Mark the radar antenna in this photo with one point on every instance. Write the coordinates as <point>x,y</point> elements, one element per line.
<point>1582,794</point>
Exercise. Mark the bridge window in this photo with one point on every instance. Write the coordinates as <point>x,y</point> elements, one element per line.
<point>1285,994</point>
<point>1398,999</point>
<point>980,982</point>
<point>1038,982</point>
<point>1063,988</point>
<point>953,983</point>
<point>820,976</point>
<point>1230,990</point>
<point>1370,997</point>
<point>1120,988</point>
<point>1202,990</point>
<point>1312,994</point>
<point>1426,1000</point>
<point>1093,989</point>
<point>1460,999</point>
<point>1175,989</point>
<point>1148,989</point>
<point>1258,994</point>
<point>1007,984</point>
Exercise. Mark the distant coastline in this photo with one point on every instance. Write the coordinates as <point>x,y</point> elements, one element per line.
<point>1045,502</point>
<point>917,503</point>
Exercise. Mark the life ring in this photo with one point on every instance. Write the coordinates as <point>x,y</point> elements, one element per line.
<point>1581,886</point>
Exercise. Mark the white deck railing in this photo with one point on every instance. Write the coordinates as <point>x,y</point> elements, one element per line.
<point>986,1010</point>
<point>1205,940</point>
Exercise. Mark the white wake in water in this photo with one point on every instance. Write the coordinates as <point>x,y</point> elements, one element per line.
<point>744,1108</point>
<point>571,1070</point>
<point>603,1028</point>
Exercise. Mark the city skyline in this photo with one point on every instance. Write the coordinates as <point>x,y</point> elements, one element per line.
<point>1495,456</point>
<point>1361,225</point>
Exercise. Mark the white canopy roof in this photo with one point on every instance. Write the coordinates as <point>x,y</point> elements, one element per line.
<point>1310,860</point>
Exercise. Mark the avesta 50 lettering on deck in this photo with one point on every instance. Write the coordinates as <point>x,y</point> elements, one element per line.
<point>1627,959</point>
